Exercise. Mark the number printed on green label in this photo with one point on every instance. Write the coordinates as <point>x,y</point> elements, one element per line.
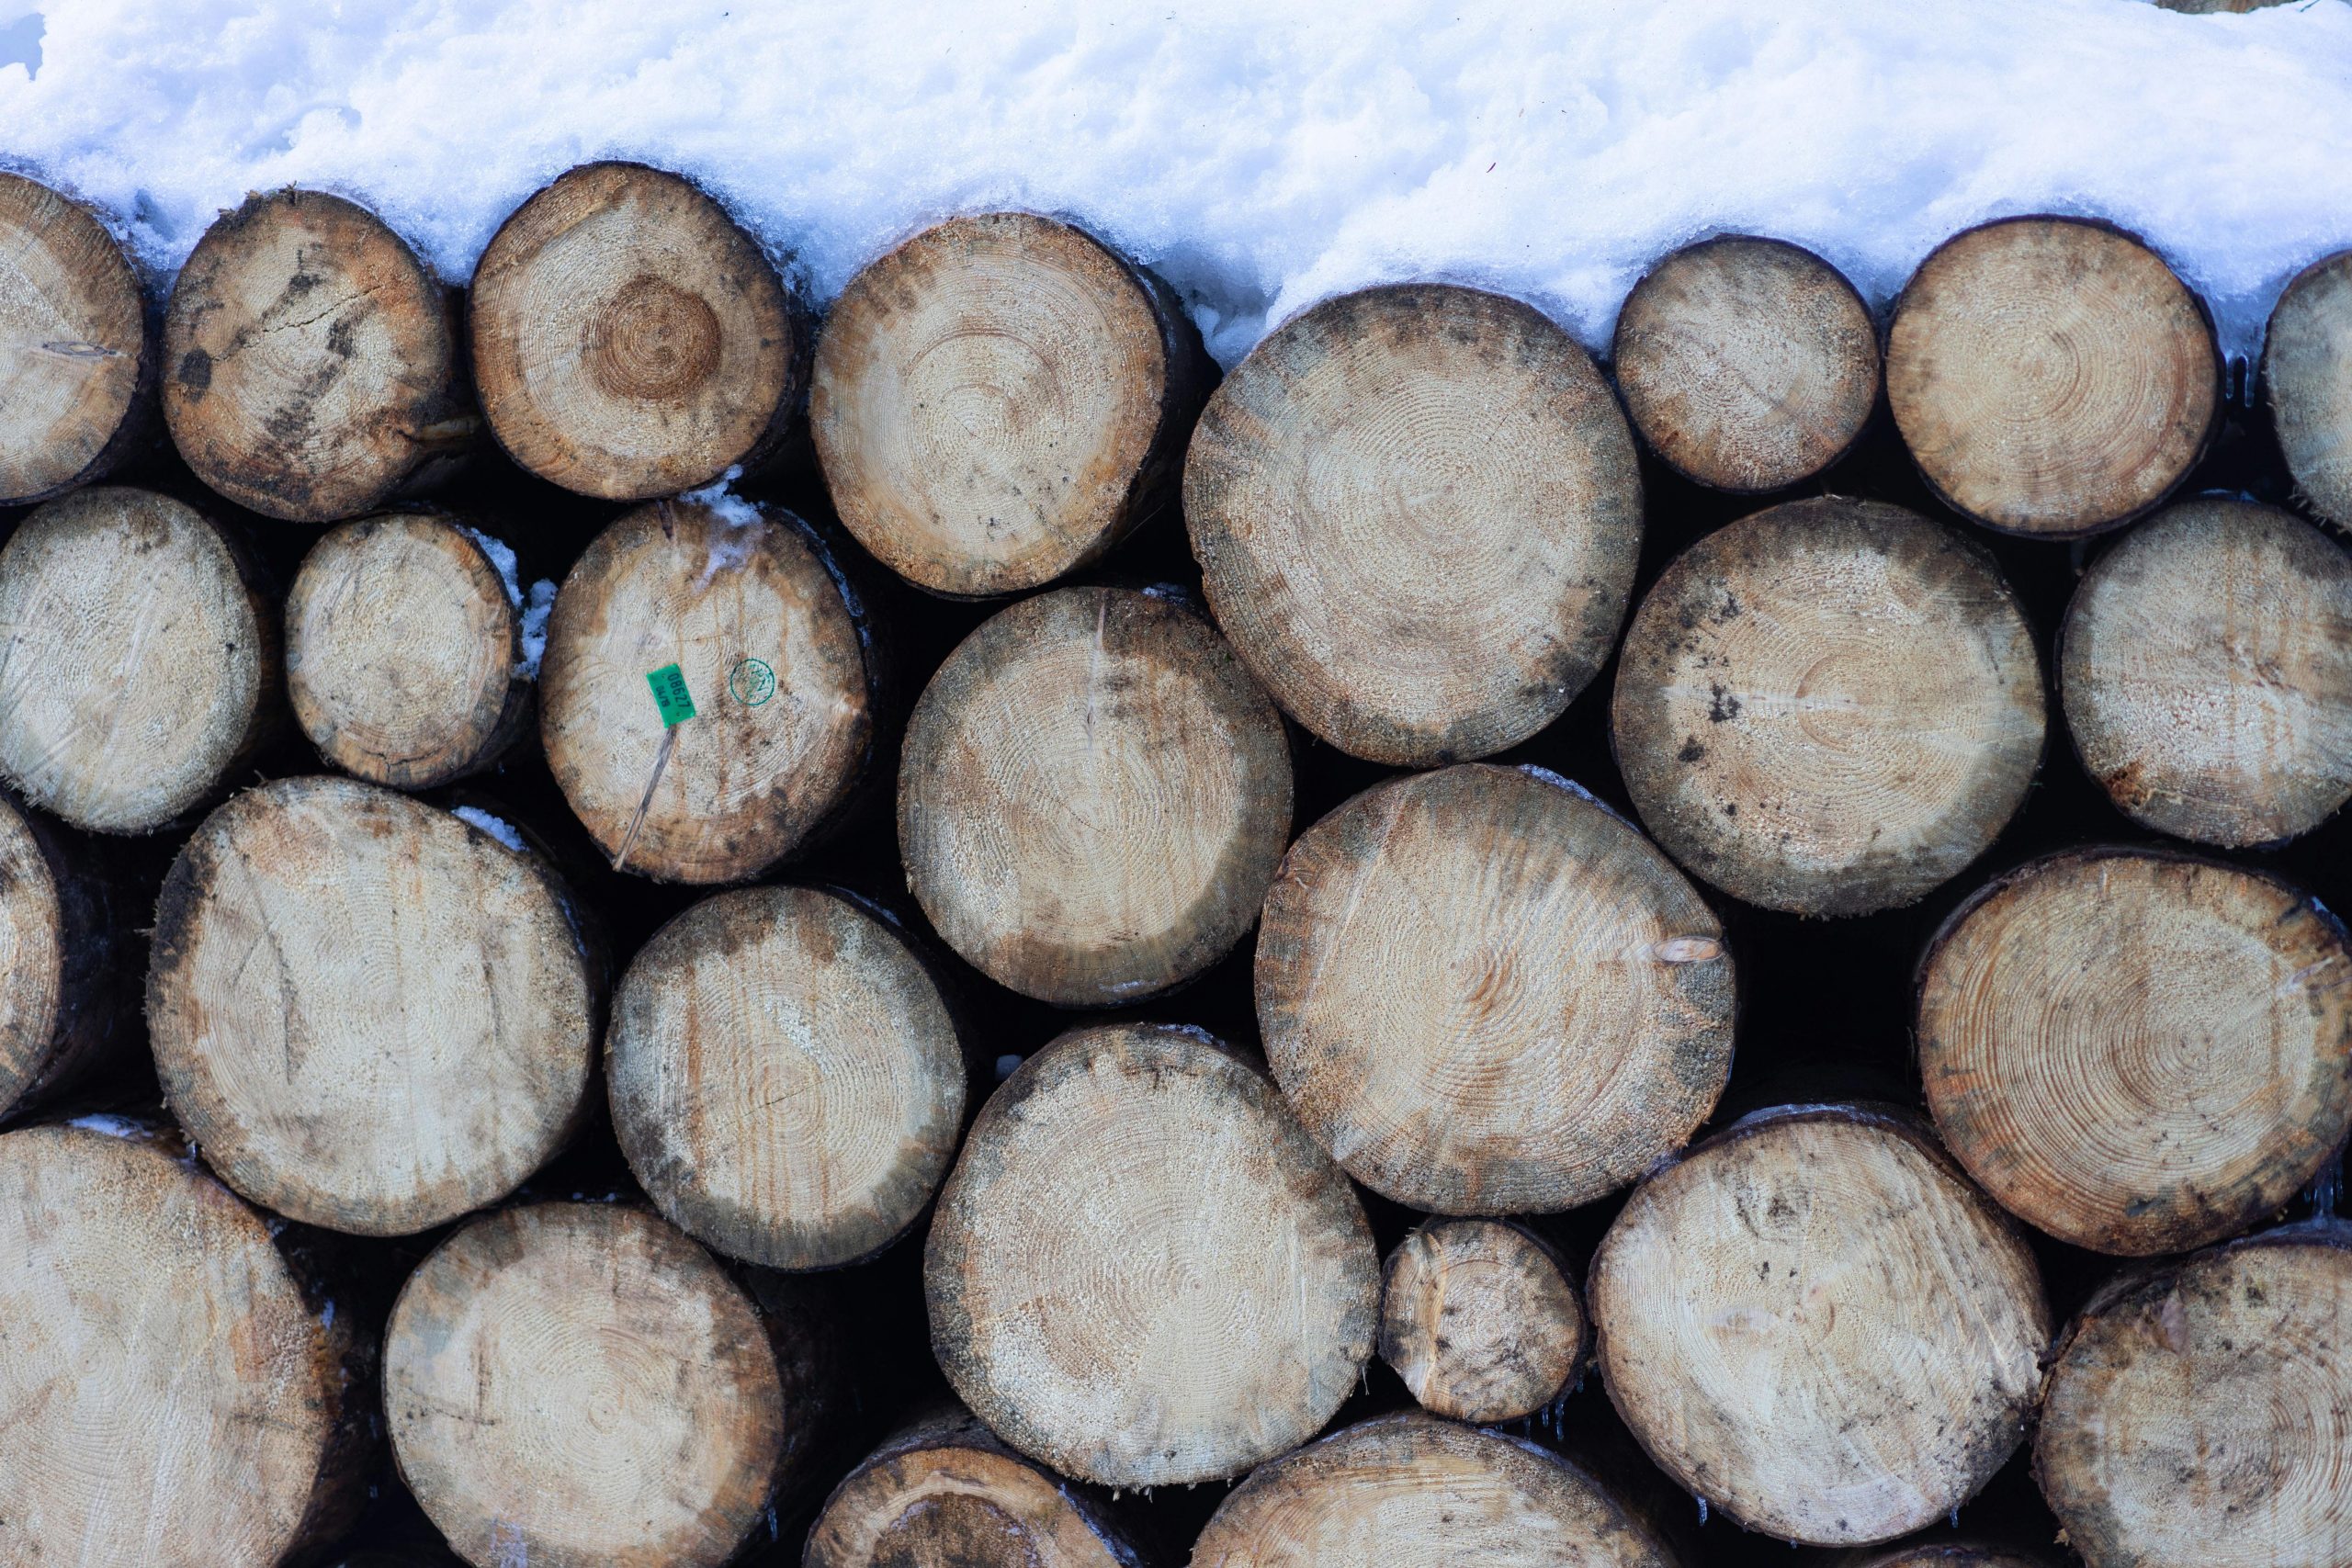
<point>670,693</point>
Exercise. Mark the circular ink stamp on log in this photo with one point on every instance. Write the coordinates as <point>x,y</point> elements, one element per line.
<point>751,683</point>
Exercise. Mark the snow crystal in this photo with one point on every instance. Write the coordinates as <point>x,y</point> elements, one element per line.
<point>723,503</point>
<point>502,558</point>
<point>1259,157</point>
<point>112,1126</point>
<point>503,831</point>
<point>535,628</point>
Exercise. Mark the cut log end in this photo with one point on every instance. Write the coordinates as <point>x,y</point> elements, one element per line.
<point>785,1079</point>
<point>1775,1319</point>
<point>773,662</point>
<point>1939,1553</point>
<point>575,1382</point>
<point>1747,364</point>
<point>403,651</point>
<point>1829,707</point>
<point>1093,796</point>
<point>142,667</point>
<point>1142,1271</point>
<point>75,358</point>
<point>2307,380</point>
<point>1479,1320</point>
<point>1416,510</point>
<point>2206,665</point>
<point>1486,993</point>
<point>630,339</point>
<point>60,976</point>
<point>996,401</point>
<point>2051,377</point>
<point>2196,1413</point>
<point>291,1038</point>
<point>2139,1052</point>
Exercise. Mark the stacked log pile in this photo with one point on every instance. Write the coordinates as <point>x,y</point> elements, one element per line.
<point>637,928</point>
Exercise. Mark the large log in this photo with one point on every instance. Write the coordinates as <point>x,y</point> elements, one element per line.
<point>2307,380</point>
<point>405,649</point>
<point>1815,1324</point>
<point>2139,1051</point>
<point>2206,665</point>
<point>1142,1271</point>
<point>60,952</point>
<point>1830,706</point>
<point>1487,993</point>
<point>77,362</point>
<point>1479,1318</point>
<point>173,1392</point>
<point>772,651</point>
<point>1407,1491</point>
<point>577,1383</point>
<point>2051,376</point>
<point>312,364</point>
<point>1416,510</point>
<point>1002,398</point>
<point>1093,796</point>
<point>143,666</point>
<point>630,339</point>
<point>2196,1413</point>
<point>1747,364</point>
<point>786,1081</point>
<point>370,1014</point>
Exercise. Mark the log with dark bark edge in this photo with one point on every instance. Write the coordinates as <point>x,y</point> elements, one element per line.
<point>2138,1051</point>
<point>1747,364</point>
<point>142,664</point>
<point>1002,398</point>
<point>1142,1270</point>
<point>174,1392</point>
<point>945,1492</point>
<point>1479,1318</point>
<point>60,952</point>
<point>1940,1553</point>
<point>312,362</point>
<point>630,339</point>
<point>2051,376</point>
<point>1409,1490</point>
<point>1093,796</point>
<point>1830,706</point>
<point>370,1015</point>
<point>786,1081</point>
<point>2196,1413</point>
<point>2206,667</point>
<point>404,655</point>
<point>570,1384</point>
<point>1776,1315</point>
<point>1486,993</point>
<point>2307,380</point>
<point>772,650</point>
<point>1416,510</point>
<point>77,361</point>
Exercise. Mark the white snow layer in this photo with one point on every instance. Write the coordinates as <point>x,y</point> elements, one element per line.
<point>1261,156</point>
<point>496,827</point>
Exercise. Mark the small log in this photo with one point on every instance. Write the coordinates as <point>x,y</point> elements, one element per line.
<point>786,1081</point>
<point>2138,1052</point>
<point>1093,796</point>
<point>629,339</point>
<point>78,363</point>
<point>572,1383</point>
<point>1477,1316</point>
<point>2307,380</point>
<point>2051,377</point>
<point>1001,399</point>
<point>1942,1552</point>
<point>1828,707</point>
<point>144,663</point>
<point>2197,1413</point>
<point>405,657</point>
<point>60,963</point>
<point>772,649</point>
<point>1487,993</point>
<point>2206,664</point>
<point>1777,1314</point>
<point>174,1392</point>
<point>1747,364</point>
<point>1142,1271</point>
<point>1416,510</point>
<point>944,1493</point>
<point>312,364</point>
<point>1407,1490</point>
<point>370,1014</point>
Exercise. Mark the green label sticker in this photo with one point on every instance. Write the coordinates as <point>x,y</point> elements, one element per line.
<point>751,683</point>
<point>670,694</point>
